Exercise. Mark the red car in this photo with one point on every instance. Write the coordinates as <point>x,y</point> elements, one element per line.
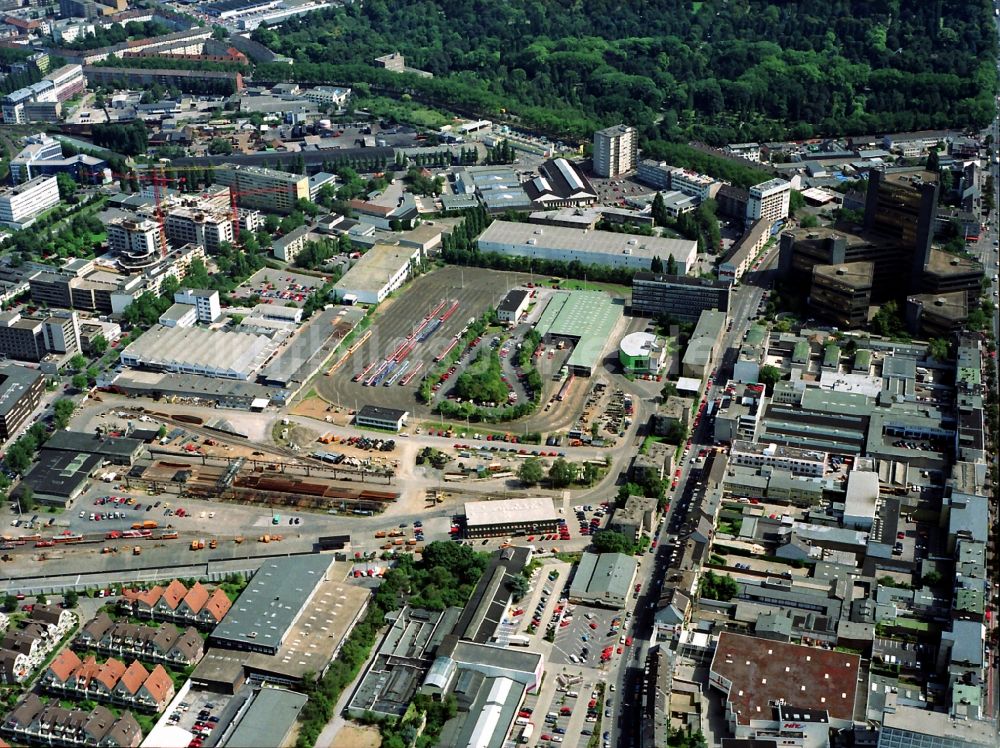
<point>593,626</point>
<point>677,473</point>
<point>628,641</point>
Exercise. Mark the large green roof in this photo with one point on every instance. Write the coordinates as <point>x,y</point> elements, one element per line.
<point>588,316</point>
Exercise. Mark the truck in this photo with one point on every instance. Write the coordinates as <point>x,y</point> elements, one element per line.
<point>518,640</point>
<point>197,545</point>
<point>529,730</point>
<point>145,525</point>
<point>137,551</point>
<point>380,533</point>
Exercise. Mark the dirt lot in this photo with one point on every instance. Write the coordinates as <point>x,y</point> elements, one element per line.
<point>475,289</point>
<point>357,736</point>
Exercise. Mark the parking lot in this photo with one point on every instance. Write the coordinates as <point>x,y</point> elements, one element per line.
<point>474,289</point>
<point>586,639</point>
<point>280,287</point>
<point>205,715</point>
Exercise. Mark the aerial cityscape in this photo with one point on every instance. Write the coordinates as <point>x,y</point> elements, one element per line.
<point>441,373</point>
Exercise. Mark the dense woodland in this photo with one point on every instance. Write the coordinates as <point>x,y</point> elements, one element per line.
<point>720,70</point>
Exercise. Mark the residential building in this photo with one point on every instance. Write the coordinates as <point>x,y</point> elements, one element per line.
<point>637,518</point>
<point>267,189</point>
<point>62,333</point>
<point>589,247</point>
<point>615,151</point>
<point>328,95</point>
<point>21,204</point>
<point>191,81</point>
<point>67,81</point>
<point>35,723</point>
<point>738,412</point>
<point>381,418</point>
<point>603,579</point>
<point>190,225</point>
<point>769,202</point>
<point>749,151</point>
<point>752,354</point>
<point>205,302</point>
<point>664,177</point>
<point>841,294</point>
<point>287,247</point>
<point>21,392</point>
<point>704,346</point>
<point>22,338</point>
<point>678,297</point>
<point>740,257</point>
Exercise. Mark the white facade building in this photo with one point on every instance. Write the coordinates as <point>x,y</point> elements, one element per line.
<point>205,302</point>
<point>615,150</point>
<point>769,201</point>
<point>20,205</point>
<point>186,225</point>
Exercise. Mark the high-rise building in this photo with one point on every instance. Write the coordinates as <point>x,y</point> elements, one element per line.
<point>21,391</point>
<point>187,225</point>
<point>769,201</point>
<point>842,293</point>
<point>22,204</point>
<point>678,296</point>
<point>136,241</point>
<point>205,302</point>
<point>901,207</point>
<point>615,150</point>
<point>268,189</point>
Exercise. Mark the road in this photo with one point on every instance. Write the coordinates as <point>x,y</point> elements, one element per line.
<point>627,677</point>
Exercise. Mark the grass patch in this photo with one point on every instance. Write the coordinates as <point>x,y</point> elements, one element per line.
<point>404,111</point>
<point>571,284</point>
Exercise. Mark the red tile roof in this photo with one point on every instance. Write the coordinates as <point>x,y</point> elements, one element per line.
<point>147,598</point>
<point>174,593</point>
<point>196,597</point>
<point>218,605</point>
<point>763,672</point>
<point>65,664</point>
<point>110,673</point>
<point>134,677</point>
<point>158,684</point>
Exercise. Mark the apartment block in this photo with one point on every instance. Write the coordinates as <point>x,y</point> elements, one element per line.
<point>677,296</point>
<point>21,391</point>
<point>136,241</point>
<point>205,302</point>
<point>267,189</point>
<point>615,151</point>
<point>190,225</point>
<point>22,204</point>
<point>769,202</point>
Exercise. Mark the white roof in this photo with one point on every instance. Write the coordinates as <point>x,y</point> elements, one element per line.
<point>862,494</point>
<point>638,344</point>
<point>194,347</point>
<point>502,511</point>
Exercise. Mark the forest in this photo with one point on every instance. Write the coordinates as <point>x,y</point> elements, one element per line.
<point>718,71</point>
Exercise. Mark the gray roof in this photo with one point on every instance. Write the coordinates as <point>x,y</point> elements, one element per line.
<point>598,575</point>
<point>14,381</point>
<point>61,474</point>
<point>78,441</point>
<point>268,607</point>
<point>268,719</point>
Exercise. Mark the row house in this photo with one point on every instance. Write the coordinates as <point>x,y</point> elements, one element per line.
<point>111,681</point>
<point>165,644</point>
<point>34,722</point>
<point>196,606</point>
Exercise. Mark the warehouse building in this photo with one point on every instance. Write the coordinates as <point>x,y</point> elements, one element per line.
<point>603,579</point>
<point>58,478</point>
<point>589,247</point>
<point>486,519</point>
<point>268,720</point>
<point>194,350</point>
<point>21,391</point>
<point>586,319</point>
<point>381,418</point>
<point>379,272</point>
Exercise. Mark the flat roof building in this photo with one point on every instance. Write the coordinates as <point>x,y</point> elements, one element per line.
<point>603,579</point>
<point>194,350</point>
<point>585,318</point>
<point>485,519</point>
<point>678,296</point>
<point>259,187</point>
<point>381,418</point>
<point>911,727</point>
<point>797,461</point>
<point>22,204</point>
<point>380,271</point>
<point>58,478</point>
<point>268,719</point>
<point>842,294</point>
<point>705,344</point>
<point>615,150</point>
<point>21,392</point>
<point>642,353</point>
<point>272,602</point>
<point>589,247</point>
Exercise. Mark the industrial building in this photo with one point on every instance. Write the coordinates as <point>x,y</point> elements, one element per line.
<point>615,151</point>
<point>810,462</point>
<point>21,391</point>
<point>513,306</point>
<point>560,184</point>
<point>642,353</point>
<point>381,418</point>
<point>21,204</point>
<point>486,519</point>
<point>586,319</point>
<point>603,579</point>
<point>679,297</point>
<point>58,478</point>
<point>267,189</point>
<point>268,720</point>
<point>704,346</point>
<point>589,247</point>
<point>380,271</point>
<point>194,350</point>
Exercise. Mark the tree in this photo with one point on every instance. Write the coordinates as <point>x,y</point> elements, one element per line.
<point>769,376</point>
<point>656,265</point>
<point>79,382</point>
<point>26,497</point>
<point>99,345</point>
<point>717,587</point>
<point>887,321</point>
<point>609,541</point>
<point>660,216</point>
<point>77,362</point>
<point>220,147</point>
<point>70,598</point>
<point>518,586</point>
<point>531,472</point>
<point>671,265</point>
<point>939,348</point>
<point>41,599</point>
<point>591,472</point>
<point>932,578</point>
<point>67,186</point>
<point>933,161</point>
<point>9,604</point>
<point>62,412</point>
<point>809,221</point>
<point>562,473</point>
